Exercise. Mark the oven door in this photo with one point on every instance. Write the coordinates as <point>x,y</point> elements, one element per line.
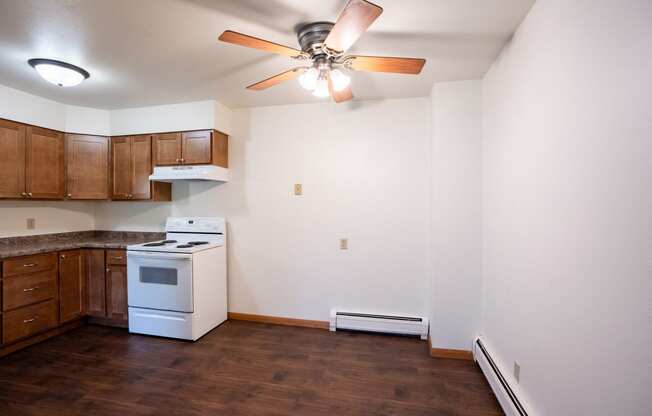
<point>160,280</point>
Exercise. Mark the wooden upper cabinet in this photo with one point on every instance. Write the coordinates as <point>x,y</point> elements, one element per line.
<point>71,285</point>
<point>44,167</point>
<point>191,148</point>
<point>196,147</point>
<point>220,149</point>
<point>12,160</point>
<point>87,167</point>
<point>167,149</point>
<point>141,167</point>
<point>131,165</point>
<point>121,167</point>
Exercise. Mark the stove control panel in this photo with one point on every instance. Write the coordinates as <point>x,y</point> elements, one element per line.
<point>210,225</point>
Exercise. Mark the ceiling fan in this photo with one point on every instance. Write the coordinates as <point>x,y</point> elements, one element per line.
<point>323,45</point>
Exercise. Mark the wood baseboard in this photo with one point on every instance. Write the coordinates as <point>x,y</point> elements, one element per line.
<point>449,353</point>
<point>278,320</point>
<point>40,337</point>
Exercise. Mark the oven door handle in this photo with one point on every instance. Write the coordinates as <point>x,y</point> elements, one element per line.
<point>155,255</point>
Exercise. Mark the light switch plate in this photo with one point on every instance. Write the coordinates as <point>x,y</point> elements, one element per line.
<point>31,223</point>
<point>344,243</point>
<point>517,371</point>
<point>298,189</point>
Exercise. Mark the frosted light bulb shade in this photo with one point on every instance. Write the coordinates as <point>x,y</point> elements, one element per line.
<point>322,88</point>
<point>59,73</point>
<point>308,79</point>
<point>340,81</point>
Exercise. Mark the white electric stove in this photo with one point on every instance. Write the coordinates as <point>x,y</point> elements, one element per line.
<point>177,286</point>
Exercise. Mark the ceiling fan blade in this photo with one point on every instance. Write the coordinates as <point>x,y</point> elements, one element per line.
<point>276,79</point>
<point>261,44</point>
<point>339,96</point>
<point>354,20</point>
<point>386,64</point>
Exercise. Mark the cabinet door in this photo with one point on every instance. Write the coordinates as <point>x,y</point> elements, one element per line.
<point>141,167</point>
<point>12,160</point>
<point>196,147</point>
<point>120,167</point>
<point>87,163</point>
<point>44,177</point>
<point>95,283</point>
<point>116,293</point>
<point>71,285</point>
<point>167,149</point>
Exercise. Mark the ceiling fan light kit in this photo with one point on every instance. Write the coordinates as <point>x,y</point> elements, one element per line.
<point>324,44</point>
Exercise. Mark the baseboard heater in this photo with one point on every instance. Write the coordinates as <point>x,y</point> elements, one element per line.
<point>506,396</point>
<point>404,325</point>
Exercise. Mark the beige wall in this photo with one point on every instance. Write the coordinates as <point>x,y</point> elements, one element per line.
<point>365,173</point>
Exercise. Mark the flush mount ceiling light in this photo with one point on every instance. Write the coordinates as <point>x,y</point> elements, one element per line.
<point>323,50</point>
<point>59,73</point>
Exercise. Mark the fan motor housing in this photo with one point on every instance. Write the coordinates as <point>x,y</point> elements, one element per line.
<point>312,35</point>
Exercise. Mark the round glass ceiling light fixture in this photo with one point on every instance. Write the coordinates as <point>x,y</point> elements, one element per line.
<point>340,81</point>
<point>308,79</point>
<point>321,90</point>
<point>59,73</point>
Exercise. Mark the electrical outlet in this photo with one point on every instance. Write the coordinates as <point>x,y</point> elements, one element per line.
<point>298,189</point>
<point>31,223</point>
<point>517,371</point>
<point>344,243</point>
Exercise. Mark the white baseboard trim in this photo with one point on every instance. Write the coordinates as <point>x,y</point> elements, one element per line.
<point>506,395</point>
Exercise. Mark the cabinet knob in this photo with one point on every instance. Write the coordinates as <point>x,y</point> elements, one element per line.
<point>69,196</point>
<point>29,194</point>
<point>23,194</point>
<point>108,270</point>
<point>63,256</point>
<point>182,160</point>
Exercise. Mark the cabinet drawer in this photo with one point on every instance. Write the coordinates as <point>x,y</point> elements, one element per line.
<point>27,321</point>
<point>29,264</point>
<point>116,257</point>
<point>24,290</point>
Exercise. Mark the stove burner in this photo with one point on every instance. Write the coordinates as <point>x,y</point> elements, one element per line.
<point>168,241</point>
<point>157,244</point>
<point>197,243</point>
<point>184,246</point>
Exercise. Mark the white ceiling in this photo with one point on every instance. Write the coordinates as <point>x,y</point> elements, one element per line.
<point>147,52</point>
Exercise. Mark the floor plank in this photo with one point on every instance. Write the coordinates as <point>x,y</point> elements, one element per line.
<point>240,368</point>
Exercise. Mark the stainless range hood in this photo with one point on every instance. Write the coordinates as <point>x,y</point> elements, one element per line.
<point>190,173</point>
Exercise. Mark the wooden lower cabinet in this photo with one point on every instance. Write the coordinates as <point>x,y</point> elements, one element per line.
<point>44,294</point>
<point>27,321</point>
<point>95,283</point>
<point>71,285</point>
<point>116,293</point>
<point>107,286</point>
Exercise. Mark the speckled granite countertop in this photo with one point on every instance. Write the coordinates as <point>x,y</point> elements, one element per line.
<point>45,243</point>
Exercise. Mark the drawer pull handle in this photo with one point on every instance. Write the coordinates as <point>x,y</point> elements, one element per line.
<point>31,289</point>
<point>116,258</point>
<point>26,321</point>
<point>30,264</point>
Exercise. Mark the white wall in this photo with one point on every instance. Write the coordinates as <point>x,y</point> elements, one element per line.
<point>365,173</point>
<point>456,213</point>
<point>567,169</point>
<point>196,115</point>
<point>31,109</point>
<point>50,216</point>
<point>56,216</point>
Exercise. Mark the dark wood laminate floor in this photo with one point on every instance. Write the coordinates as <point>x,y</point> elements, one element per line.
<point>240,368</point>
